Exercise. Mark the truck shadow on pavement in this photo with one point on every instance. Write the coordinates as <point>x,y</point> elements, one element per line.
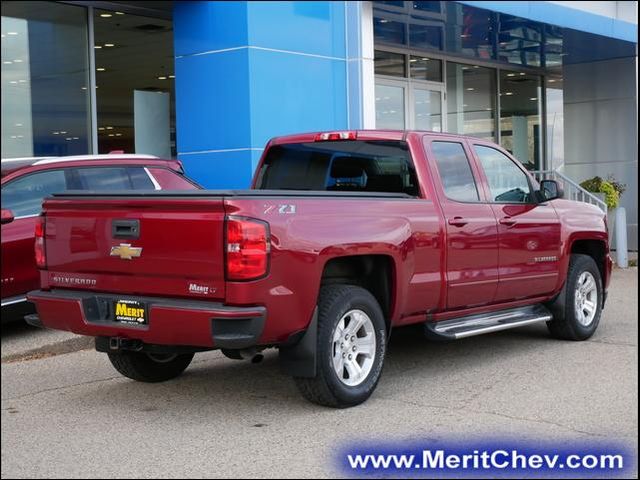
<point>215,384</point>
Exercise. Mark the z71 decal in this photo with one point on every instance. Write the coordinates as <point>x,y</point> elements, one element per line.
<point>284,209</point>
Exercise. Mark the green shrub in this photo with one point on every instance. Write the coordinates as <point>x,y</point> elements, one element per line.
<point>620,187</point>
<point>611,193</point>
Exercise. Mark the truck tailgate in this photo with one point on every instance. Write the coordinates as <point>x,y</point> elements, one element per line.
<point>136,245</point>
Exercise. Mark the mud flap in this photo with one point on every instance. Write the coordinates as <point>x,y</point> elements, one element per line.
<point>299,360</point>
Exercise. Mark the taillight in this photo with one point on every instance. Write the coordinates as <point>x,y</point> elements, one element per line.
<point>41,258</point>
<point>247,247</point>
<point>326,136</point>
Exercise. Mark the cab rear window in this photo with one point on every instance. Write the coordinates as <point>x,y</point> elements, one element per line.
<point>348,166</point>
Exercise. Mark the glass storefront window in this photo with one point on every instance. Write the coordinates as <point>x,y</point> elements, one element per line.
<point>427,109</point>
<point>520,115</point>
<point>554,95</point>
<point>470,31</point>
<point>520,41</point>
<point>390,107</point>
<point>471,100</point>
<point>391,64</point>
<point>45,79</point>
<point>135,80</point>
<point>553,52</point>
<point>425,34</point>
<point>432,7</point>
<point>423,68</point>
<point>389,30</point>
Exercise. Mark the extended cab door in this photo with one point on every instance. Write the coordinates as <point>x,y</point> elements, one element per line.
<point>472,235</point>
<point>528,231</point>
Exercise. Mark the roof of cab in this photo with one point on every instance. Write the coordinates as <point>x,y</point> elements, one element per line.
<point>373,134</point>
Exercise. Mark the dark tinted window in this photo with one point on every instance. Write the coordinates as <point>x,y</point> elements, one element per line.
<point>24,195</point>
<point>507,182</point>
<point>387,63</point>
<point>139,179</point>
<point>424,68</point>
<point>360,166</point>
<point>455,171</point>
<point>114,178</point>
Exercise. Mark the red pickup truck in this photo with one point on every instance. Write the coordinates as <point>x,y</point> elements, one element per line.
<point>344,236</point>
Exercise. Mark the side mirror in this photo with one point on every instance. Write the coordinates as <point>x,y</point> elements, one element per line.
<point>550,190</point>
<point>7,216</point>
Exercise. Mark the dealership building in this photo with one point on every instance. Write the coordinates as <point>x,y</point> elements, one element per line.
<point>555,83</point>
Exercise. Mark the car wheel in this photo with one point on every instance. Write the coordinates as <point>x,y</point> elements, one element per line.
<point>351,346</point>
<point>147,367</point>
<point>578,308</point>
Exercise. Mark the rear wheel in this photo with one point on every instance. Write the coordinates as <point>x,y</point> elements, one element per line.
<point>577,311</point>
<point>147,367</point>
<point>350,350</point>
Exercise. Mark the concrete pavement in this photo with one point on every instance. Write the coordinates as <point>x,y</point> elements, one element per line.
<point>71,414</point>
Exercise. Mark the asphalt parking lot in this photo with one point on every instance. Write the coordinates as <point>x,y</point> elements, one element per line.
<point>67,413</point>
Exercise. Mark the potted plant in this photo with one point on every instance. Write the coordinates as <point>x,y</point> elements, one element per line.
<point>608,190</point>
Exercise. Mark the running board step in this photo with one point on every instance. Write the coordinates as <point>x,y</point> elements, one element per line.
<point>486,323</point>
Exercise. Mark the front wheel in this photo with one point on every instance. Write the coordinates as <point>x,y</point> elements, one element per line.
<point>351,346</point>
<point>147,367</point>
<point>578,309</point>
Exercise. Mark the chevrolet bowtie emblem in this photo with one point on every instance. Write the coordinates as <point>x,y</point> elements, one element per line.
<point>125,251</point>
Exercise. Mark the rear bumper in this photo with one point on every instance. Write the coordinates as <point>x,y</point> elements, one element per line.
<point>170,322</point>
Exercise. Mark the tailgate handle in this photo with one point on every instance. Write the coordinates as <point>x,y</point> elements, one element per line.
<point>125,228</point>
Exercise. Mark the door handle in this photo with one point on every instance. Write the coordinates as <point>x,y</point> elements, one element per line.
<point>457,222</point>
<point>125,229</point>
<point>508,221</point>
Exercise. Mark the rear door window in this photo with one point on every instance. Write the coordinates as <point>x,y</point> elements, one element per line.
<point>455,171</point>
<point>348,166</point>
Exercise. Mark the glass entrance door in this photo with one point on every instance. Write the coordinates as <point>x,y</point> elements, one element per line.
<point>409,105</point>
<point>426,108</point>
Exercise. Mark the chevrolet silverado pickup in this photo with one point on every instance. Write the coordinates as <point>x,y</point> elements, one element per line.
<point>342,237</point>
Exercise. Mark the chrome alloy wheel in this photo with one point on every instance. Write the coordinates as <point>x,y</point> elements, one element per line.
<point>586,299</point>
<point>354,347</point>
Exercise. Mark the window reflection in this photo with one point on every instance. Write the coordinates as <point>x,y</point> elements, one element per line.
<point>427,110</point>
<point>520,41</point>
<point>470,31</point>
<point>389,107</point>
<point>388,63</point>
<point>520,113</point>
<point>389,30</point>
<point>427,34</point>
<point>45,101</point>
<point>135,78</point>
<point>424,68</point>
<point>471,100</point>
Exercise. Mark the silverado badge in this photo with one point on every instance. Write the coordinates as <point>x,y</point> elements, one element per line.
<point>125,251</point>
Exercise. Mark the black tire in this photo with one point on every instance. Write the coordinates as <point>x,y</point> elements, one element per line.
<point>326,388</point>
<point>142,367</point>
<point>565,324</point>
<point>232,354</point>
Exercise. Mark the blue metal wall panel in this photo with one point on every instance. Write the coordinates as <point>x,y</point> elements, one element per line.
<point>205,26</point>
<point>246,72</point>
<point>295,93</point>
<point>315,28</point>
<point>212,101</point>
<point>220,170</point>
